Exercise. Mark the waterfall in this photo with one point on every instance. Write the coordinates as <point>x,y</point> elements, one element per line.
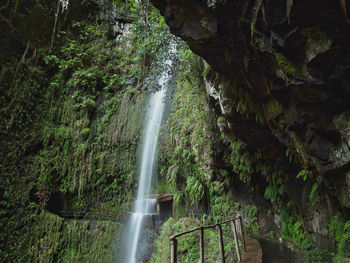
<point>145,206</point>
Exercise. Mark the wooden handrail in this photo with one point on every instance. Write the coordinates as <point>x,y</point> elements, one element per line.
<point>173,239</point>
<point>203,227</point>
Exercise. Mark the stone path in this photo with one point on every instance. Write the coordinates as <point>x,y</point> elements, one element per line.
<point>253,253</point>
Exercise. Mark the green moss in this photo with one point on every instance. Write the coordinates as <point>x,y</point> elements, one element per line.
<point>54,239</point>
<point>186,158</point>
<point>60,113</point>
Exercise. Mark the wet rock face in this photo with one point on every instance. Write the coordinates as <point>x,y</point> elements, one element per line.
<point>291,57</point>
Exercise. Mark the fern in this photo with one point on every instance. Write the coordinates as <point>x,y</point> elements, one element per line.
<point>314,196</point>
<point>304,174</point>
<point>251,212</point>
<point>339,232</point>
<point>344,242</point>
<point>270,193</point>
<point>294,231</point>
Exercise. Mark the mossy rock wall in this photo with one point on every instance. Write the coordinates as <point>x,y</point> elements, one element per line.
<point>72,120</point>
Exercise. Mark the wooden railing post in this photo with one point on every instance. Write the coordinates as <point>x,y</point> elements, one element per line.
<point>242,233</point>
<point>233,227</point>
<point>173,250</point>
<point>201,245</point>
<point>221,243</point>
<point>173,239</point>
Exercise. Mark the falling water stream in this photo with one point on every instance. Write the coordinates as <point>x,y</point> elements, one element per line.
<point>145,206</point>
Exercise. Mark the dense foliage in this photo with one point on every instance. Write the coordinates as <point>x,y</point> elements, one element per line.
<point>339,231</point>
<point>71,126</point>
<point>58,135</point>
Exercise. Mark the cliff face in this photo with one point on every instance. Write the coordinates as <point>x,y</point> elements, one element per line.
<point>279,77</point>
<point>293,59</point>
<point>71,121</point>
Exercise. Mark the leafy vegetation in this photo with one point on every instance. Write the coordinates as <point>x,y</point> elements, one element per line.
<point>314,196</point>
<point>246,165</point>
<point>317,256</point>
<point>86,69</point>
<point>189,135</point>
<point>251,212</point>
<point>293,230</point>
<point>71,127</point>
<point>304,174</point>
<point>339,232</point>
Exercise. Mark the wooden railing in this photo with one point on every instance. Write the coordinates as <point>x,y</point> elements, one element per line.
<point>233,222</point>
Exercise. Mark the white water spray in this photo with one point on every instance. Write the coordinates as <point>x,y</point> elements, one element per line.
<point>143,205</point>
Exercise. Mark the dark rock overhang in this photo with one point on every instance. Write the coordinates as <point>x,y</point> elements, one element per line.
<point>292,57</point>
